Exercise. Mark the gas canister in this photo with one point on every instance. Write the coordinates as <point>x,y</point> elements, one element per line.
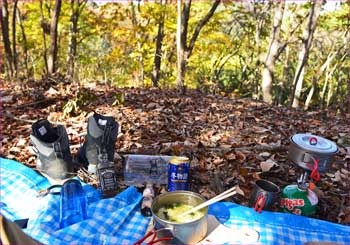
<point>298,200</point>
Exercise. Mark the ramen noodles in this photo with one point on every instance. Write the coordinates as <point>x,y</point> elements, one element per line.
<point>171,212</point>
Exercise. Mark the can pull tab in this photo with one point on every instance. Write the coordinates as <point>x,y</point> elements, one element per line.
<point>313,141</point>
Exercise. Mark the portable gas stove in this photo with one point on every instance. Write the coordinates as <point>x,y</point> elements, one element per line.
<point>314,155</point>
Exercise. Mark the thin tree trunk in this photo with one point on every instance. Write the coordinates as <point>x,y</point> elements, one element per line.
<point>43,23</point>
<point>348,95</point>
<point>73,37</point>
<point>181,36</point>
<point>271,57</point>
<point>181,43</point>
<point>324,89</point>
<point>199,27</point>
<point>33,65</point>
<point>331,85</point>
<point>76,8</point>
<point>329,75</point>
<point>184,51</point>
<point>304,53</point>
<point>24,42</point>
<point>256,44</point>
<point>334,100</point>
<point>142,65</point>
<point>138,43</point>
<point>219,66</point>
<point>52,59</point>
<point>158,52</point>
<point>4,19</point>
<point>330,90</point>
<point>285,77</point>
<point>14,50</point>
<point>260,18</point>
<point>311,92</point>
<point>314,81</point>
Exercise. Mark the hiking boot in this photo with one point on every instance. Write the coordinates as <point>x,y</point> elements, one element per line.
<point>102,132</point>
<point>51,145</point>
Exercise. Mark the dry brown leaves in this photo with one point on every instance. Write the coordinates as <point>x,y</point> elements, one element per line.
<point>228,141</point>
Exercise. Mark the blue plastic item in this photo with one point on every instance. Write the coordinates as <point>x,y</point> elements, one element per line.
<point>118,220</point>
<point>73,203</point>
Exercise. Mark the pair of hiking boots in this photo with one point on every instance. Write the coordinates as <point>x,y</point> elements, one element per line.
<point>51,145</point>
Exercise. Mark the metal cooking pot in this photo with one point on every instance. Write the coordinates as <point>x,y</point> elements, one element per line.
<point>183,233</point>
<point>305,149</point>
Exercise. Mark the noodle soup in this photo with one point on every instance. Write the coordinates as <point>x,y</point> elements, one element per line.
<point>171,212</point>
<point>166,209</point>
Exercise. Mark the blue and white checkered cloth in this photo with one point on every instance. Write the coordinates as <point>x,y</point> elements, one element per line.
<point>114,220</point>
<point>118,220</point>
<point>279,228</point>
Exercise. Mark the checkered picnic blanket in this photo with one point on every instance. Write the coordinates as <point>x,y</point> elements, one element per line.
<point>279,228</point>
<point>114,220</point>
<point>118,220</point>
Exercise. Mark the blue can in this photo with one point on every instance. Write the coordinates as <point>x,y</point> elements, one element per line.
<point>178,170</point>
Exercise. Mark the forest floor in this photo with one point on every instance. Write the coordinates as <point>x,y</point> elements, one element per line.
<point>229,141</point>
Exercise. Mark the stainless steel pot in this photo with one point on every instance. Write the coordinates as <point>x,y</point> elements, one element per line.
<point>184,233</point>
<point>304,149</point>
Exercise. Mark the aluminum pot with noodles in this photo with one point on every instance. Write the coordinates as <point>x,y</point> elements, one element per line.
<point>188,229</point>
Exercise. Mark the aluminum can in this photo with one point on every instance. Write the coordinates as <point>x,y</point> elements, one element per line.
<point>178,171</point>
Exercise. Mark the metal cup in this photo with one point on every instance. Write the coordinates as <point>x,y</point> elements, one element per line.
<point>264,195</point>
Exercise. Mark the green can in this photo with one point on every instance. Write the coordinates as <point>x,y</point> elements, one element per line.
<point>298,201</point>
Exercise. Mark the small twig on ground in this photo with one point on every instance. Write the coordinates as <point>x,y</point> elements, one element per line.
<point>9,115</point>
<point>250,148</point>
<point>31,104</point>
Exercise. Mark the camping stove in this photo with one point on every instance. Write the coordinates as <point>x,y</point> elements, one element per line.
<point>314,155</point>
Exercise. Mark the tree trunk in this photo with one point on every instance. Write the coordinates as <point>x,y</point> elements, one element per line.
<point>336,104</point>
<point>271,57</point>
<point>14,50</point>
<point>311,92</point>
<point>184,51</point>
<point>43,23</point>
<point>158,52</point>
<point>138,43</point>
<point>181,36</point>
<point>285,77</point>
<point>34,66</point>
<point>73,37</point>
<point>348,95</point>
<point>331,85</point>
<point>52,59</point>
<point>260,20</point>
<point>76,8</point>
<point>5,37</point>
<point>324,89</point>
<point>318,76</point>
<point>304,53</point>
<point>24,42</point>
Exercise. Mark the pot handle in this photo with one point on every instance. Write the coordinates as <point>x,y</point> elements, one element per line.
<point>153,234</point>
<point>259,204</point>
<point>313,141</point>
<point>315,175</point>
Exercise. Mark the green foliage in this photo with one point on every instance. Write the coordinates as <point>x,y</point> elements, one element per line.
<point>228,55</point>
<point>76,105</point>
<point>119,99</point>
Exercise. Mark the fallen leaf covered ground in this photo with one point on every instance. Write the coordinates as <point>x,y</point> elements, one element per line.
<point>229,141</point>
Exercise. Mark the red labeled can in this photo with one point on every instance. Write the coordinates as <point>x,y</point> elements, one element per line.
<point>178,171</point>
